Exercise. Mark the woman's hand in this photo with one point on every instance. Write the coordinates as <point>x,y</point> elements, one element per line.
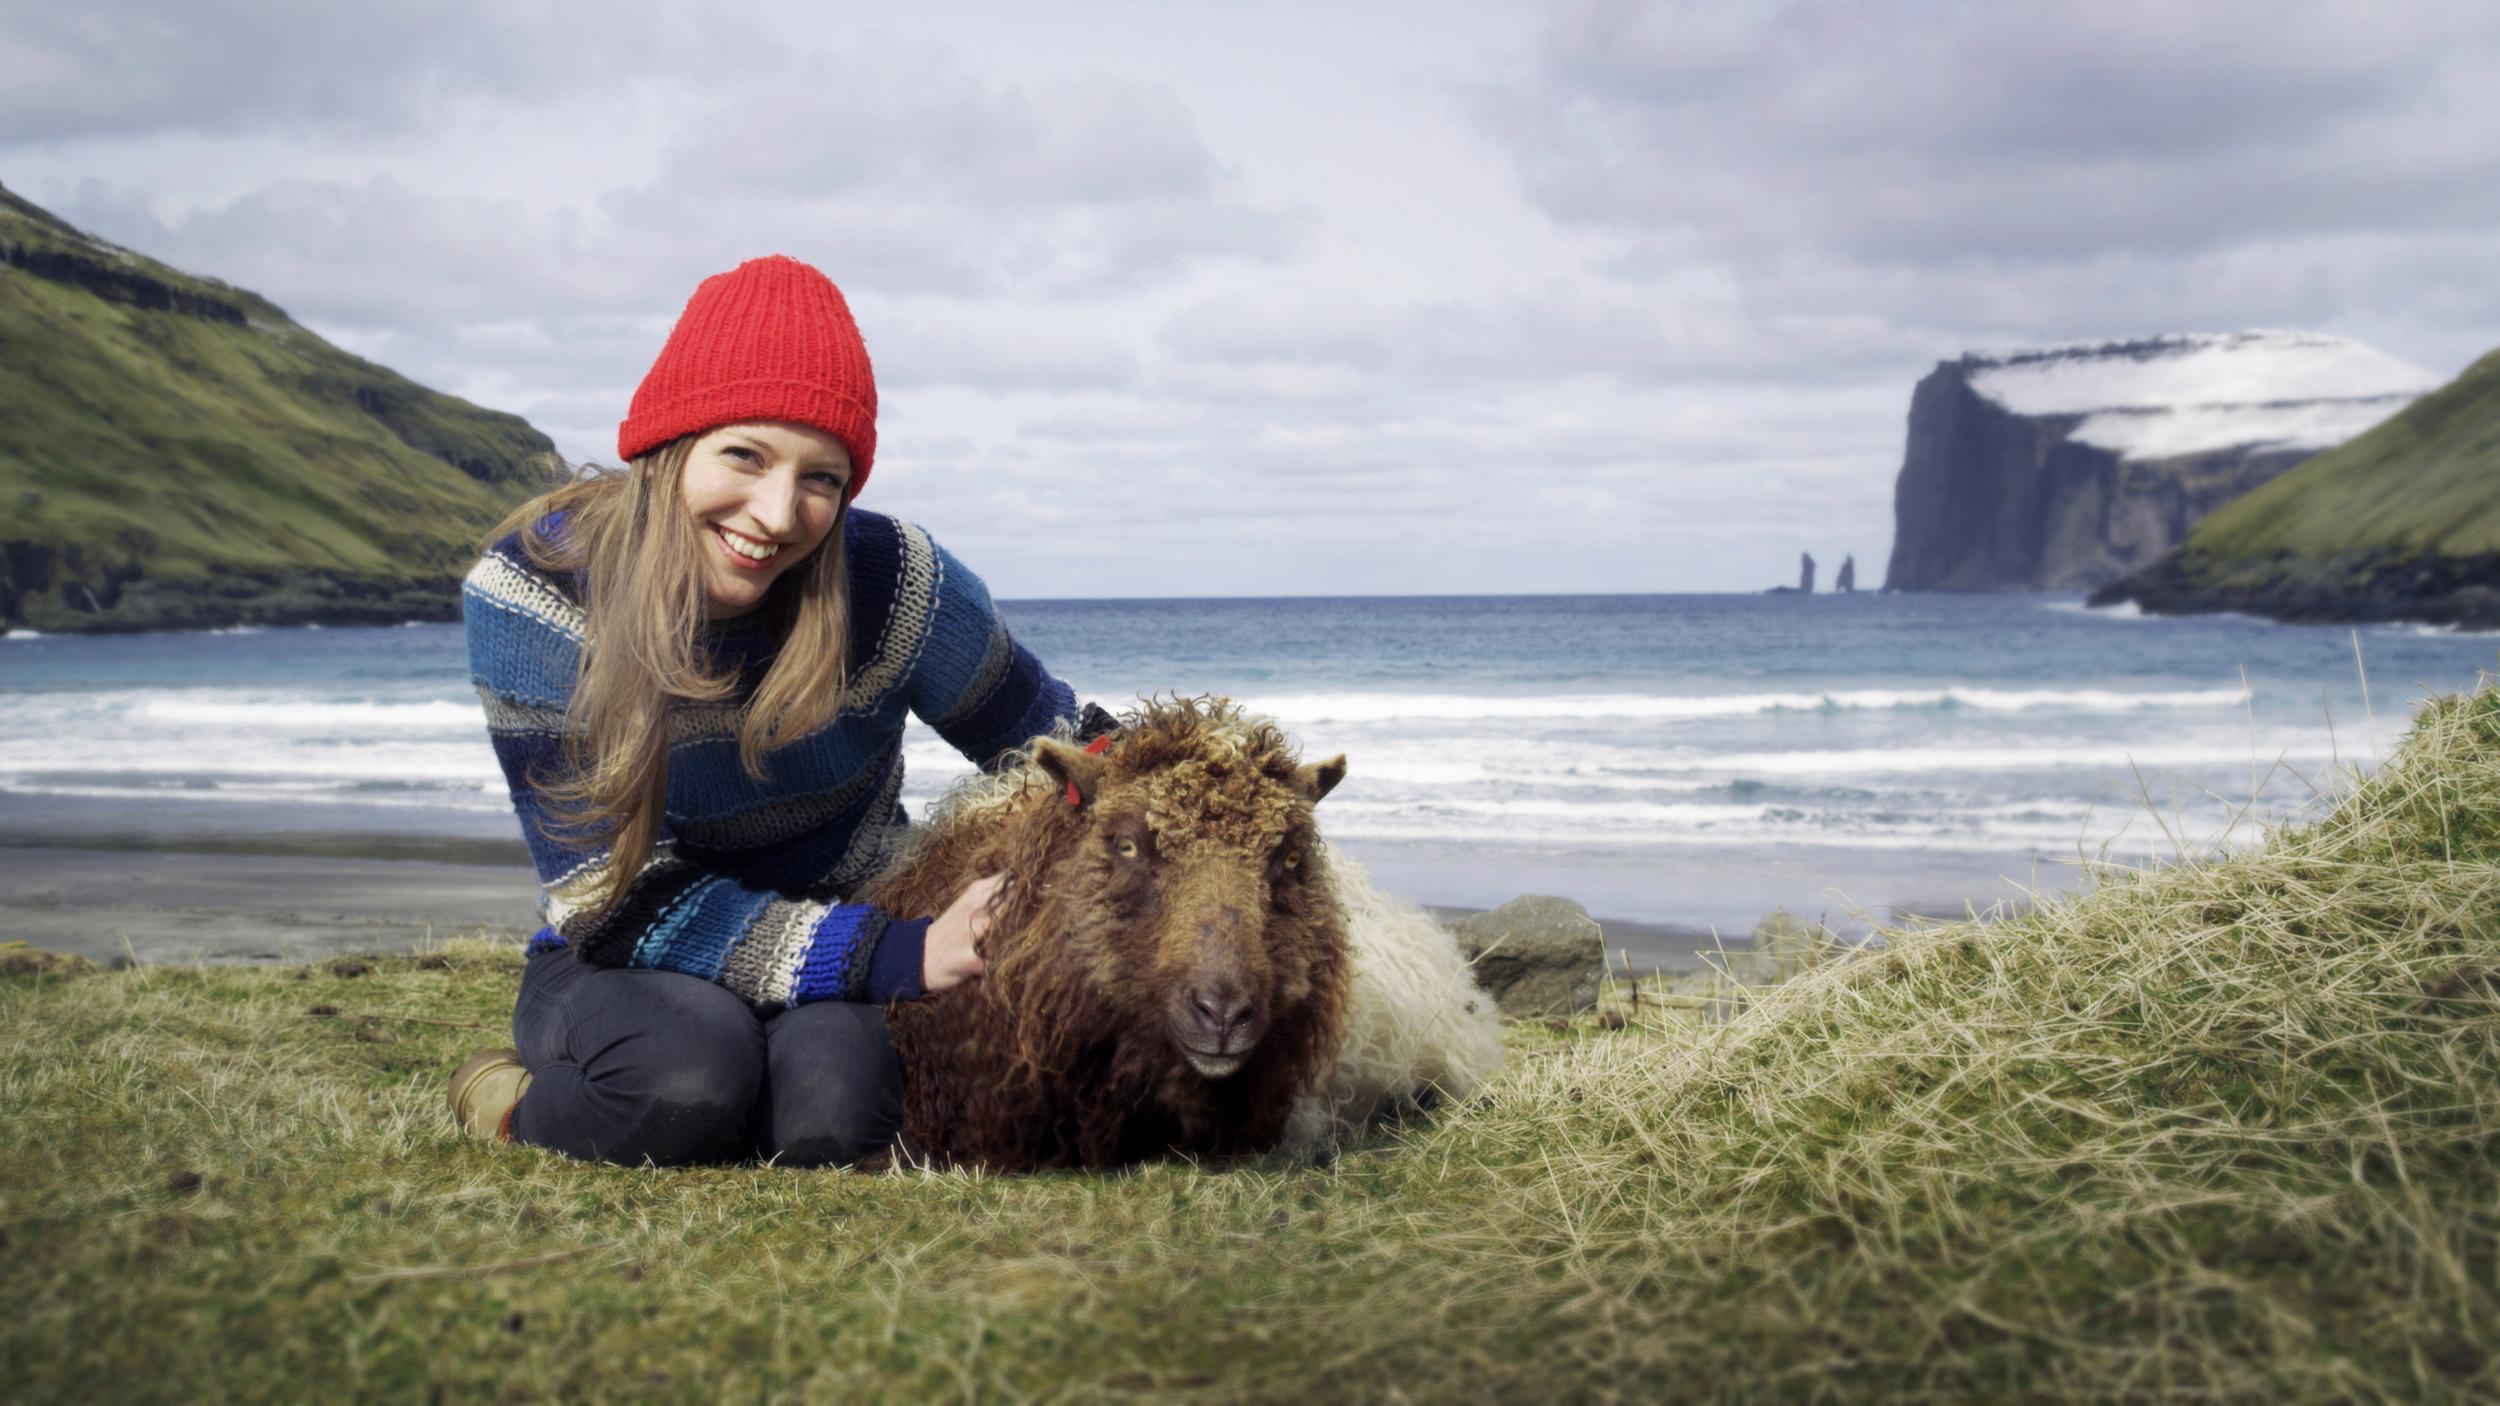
<point>952,954</point>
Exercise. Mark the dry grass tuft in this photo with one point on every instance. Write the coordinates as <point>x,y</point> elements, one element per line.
<point>2216,1129</point>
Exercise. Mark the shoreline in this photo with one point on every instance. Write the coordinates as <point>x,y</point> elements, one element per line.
<point>286,898</point>
<point>2459,591</point>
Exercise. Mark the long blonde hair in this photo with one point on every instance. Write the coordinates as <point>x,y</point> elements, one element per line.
<point>644,605</point>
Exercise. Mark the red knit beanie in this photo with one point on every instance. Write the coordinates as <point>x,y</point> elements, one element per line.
<point>771,339</point>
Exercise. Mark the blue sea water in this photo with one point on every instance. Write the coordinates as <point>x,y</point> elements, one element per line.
<point>1695,759</point>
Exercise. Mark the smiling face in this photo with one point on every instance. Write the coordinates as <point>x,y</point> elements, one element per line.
<point>765,494</point>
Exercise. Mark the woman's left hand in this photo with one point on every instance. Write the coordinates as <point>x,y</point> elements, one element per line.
<point>952,954</point>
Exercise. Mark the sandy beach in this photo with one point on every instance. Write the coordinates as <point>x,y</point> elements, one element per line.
<point>176,906</point>
<point>267,900</point>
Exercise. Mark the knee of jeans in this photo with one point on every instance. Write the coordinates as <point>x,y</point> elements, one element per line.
<point>836,1091</point>
<point>701,1109</point>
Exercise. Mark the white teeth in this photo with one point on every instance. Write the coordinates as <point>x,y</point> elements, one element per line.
<point>745,548</point>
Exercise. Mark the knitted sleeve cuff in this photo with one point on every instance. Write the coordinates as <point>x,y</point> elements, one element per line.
<point>894,973</point>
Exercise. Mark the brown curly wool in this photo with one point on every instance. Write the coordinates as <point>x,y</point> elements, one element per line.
<point>1166,972</point>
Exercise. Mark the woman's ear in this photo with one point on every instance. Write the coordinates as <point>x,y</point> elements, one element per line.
<point>1074,768</point>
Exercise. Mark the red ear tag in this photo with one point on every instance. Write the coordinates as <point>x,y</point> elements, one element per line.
<point>1094,748</point>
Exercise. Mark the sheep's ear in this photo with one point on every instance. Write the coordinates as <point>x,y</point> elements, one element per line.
<point>1320,778</point>
<point>1078,772</point>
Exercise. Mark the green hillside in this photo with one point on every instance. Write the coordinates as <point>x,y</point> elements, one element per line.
<point>2400,523</point>
<point>178,453</point>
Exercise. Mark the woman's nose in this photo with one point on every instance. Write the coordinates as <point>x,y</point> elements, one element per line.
<point>775,503</point>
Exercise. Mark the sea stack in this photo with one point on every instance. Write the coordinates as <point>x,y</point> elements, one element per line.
<point>2063,468</point>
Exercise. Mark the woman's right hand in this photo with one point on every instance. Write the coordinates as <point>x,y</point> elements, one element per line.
<point>952,951</point>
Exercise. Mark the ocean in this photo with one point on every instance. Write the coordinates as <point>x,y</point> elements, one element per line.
<point>1692,759</point>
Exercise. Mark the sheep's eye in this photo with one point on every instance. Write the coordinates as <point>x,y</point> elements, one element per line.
<point>1294,860</point>
<point>1128,848</point>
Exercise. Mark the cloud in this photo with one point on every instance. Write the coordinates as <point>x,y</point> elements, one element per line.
<point>915,343</point>
<point>887,162</point>
<point>890,115</point>
<point>1299,344</point>
<point>1612,296</point>
<point>107,68</point>
<point>1891,135</point>
<point>382,252</point>
<point>893,147</point>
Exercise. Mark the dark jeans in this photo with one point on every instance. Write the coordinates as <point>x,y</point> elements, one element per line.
<point>628,1065</point>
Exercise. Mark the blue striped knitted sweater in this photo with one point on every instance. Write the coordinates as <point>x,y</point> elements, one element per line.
<point>745,885</point>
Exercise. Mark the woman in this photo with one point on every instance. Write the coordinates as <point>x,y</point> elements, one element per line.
<point>695,674</point>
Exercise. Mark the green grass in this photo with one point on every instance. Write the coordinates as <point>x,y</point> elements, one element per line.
<point>178,445</point>
<point>2223,1129</point>
<point>2421,483</point>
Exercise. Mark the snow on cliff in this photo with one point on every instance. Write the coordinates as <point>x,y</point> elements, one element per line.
<point>2169,396</point>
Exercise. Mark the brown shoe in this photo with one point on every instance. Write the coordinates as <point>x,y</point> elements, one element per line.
<point>485,1089</point>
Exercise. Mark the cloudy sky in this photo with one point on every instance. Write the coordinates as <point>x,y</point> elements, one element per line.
<point>1187,299</point>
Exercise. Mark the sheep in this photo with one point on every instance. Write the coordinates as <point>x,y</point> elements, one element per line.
<point>1167,971</point>
<point>1417,1031</point>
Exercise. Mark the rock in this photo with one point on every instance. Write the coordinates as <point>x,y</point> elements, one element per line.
<point>2371,587</point>
<point>1785,944</point>
<point>1535,955</point>
<point>18,959</point>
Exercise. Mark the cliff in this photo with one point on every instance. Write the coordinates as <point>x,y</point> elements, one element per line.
<point>177,453</point>
<point>2402,523</point>
<point>2064,468</point>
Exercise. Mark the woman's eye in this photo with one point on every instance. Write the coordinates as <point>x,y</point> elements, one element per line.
<point>830,480</point>
<point>743,454</point>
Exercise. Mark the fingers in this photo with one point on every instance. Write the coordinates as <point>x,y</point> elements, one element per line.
<point>985,896</point>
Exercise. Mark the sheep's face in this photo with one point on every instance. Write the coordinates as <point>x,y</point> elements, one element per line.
<point>1196,901</point>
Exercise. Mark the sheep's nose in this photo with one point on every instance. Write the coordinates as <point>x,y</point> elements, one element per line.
<point>1221,1009</point>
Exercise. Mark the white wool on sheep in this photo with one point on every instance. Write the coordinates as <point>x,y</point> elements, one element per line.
<point>1415,1019</point>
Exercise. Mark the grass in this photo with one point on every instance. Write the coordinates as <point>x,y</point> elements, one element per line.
<point>2222,1129</point>
<point>2418,484</point>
